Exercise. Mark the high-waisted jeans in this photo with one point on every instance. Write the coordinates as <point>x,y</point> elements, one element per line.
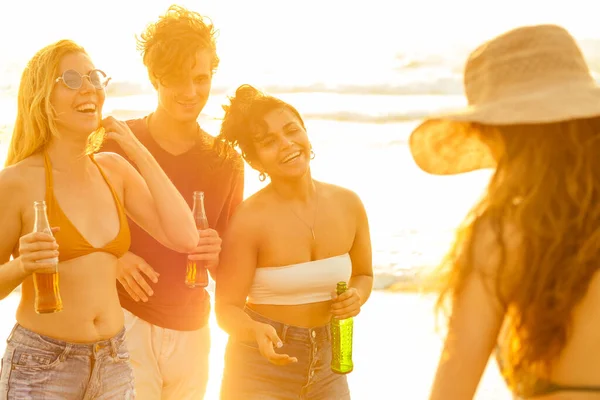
<point>248,375</point>
<point>39,367</point>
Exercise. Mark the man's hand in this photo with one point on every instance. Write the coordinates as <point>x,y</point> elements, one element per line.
<point>208,249</point>
<point>129,273</point>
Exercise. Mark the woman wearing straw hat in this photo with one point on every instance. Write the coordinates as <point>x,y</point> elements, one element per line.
<point>522,277</point>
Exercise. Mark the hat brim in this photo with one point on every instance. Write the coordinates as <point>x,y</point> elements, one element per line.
<point>448,144</point>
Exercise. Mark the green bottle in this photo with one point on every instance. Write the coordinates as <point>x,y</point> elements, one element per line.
<point>341,340</point>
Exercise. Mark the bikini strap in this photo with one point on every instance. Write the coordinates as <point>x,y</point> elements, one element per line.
<point>48,169</point>
<point>112,190</point>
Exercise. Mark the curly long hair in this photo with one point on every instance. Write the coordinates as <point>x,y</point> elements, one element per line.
<point>244,118</point>
<point>546,186</point>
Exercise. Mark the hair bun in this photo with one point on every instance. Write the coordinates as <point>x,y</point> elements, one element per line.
<point>236,112</point>
<point>247,92</point>
<point>244,96</point>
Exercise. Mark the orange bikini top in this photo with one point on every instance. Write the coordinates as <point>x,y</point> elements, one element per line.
<point>71,242</point>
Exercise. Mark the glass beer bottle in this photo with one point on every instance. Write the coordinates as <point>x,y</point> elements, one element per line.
<point>46,285</point>
<point>341,340</point>
<point>196,274</point>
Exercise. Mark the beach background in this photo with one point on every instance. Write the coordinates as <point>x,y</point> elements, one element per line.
<point>363,74</point>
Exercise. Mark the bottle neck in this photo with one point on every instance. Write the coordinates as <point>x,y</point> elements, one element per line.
<point>40,223</point>
<point>198,204</point>
<point>199,213</point>
<point>341,289</point>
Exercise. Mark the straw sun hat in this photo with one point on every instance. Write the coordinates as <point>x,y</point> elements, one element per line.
<point>529,75</point>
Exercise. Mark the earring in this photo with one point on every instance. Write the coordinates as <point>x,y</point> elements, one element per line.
<point>262,176</point>
<point>312,154</point>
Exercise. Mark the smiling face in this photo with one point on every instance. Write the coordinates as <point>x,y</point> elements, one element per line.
<point>78,112</point>
<point>282,149</point>
<point>183,96</point>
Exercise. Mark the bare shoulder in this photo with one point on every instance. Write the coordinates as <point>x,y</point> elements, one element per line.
<point>490,233</point>
<point>341,195</point>
<point>17,178</point>
<point>22,183</point>
<point>251,214</point>
<point>12,180</point>
<point>495,244</point>
<point>115,164</point>
<point>250,209</point>
<point>116,168</point>
<point>110,160</point>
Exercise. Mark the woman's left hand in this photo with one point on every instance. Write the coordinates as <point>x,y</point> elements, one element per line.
<point>119,132</point>
<point>346,305</point>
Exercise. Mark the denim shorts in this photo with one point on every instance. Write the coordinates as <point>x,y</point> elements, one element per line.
<point>39,367</point>
<point>248,375</point>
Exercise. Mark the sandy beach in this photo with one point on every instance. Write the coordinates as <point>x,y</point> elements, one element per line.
<point>395,350</point>
<point>396,347</point>
<point>362,82</point>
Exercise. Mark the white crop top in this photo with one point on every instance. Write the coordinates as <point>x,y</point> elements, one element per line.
<point>308,282</point>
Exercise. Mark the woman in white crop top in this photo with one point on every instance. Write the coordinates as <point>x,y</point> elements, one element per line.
<point>284,251</point>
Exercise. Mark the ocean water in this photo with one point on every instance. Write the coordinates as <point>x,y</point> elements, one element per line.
<point>411,214</point>
<point>360,96</point>
<point>363,75</point>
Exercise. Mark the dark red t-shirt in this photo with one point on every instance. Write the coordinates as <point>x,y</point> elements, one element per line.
<point>174,305</point>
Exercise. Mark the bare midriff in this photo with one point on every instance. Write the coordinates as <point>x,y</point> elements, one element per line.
<point>91,309</point>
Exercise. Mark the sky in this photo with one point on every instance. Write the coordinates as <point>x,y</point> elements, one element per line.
<point>299,38</point>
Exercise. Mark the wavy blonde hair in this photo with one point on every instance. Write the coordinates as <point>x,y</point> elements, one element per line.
<point>547,188</point>
<point>35,124</point>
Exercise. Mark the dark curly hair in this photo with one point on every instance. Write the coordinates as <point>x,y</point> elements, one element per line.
<point>244,118</point>
<point>173,41</point>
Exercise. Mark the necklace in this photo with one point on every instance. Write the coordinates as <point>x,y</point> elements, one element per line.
<point>310,227</point>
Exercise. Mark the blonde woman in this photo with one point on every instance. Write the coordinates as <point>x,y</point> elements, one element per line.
<point>522,278</point>
<point>79,352</point>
